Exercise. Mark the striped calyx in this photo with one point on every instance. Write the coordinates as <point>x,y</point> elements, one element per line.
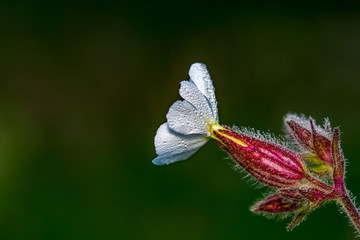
<point>268,162</point>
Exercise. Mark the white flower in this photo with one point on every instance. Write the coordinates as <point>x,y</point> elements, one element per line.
<point>188,121</point>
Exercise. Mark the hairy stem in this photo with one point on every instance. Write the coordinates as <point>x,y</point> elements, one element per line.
<point>318,183</point>
<point>351,211</point>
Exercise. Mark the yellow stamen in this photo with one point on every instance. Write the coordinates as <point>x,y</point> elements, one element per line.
<point>216,127</point>
<point>237,141</point>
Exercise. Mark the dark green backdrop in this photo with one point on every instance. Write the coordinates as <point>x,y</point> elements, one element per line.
<point>84,87</point>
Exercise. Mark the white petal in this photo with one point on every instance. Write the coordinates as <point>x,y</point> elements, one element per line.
<point>172,147</point>
<point>192,94</point>
<point>183,118</point>
<point>200,76</point>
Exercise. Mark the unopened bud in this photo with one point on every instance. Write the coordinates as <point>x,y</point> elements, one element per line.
<point>268,162</point>
<point>276,204</point>
<point>314,140</point>
<point>302,135</point>
<point>312,194</point>
<point>322,145</point>
<point>290,193</point>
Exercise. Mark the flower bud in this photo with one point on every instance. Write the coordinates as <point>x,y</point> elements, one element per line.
<point>301,135</point>
<point>290,193</point>
<point>277,204</point>
<point>322,145</point>
<point>312,194</point>
<point>314,140</point>
<point>268,162</point>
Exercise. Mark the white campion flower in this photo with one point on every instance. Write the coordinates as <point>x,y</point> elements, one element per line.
<point>188,121</point>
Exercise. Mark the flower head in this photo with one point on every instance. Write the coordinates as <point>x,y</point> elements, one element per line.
<point>301,186</point>
<point>186,129</point>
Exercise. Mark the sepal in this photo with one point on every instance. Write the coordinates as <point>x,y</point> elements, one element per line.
<point>339,166</point>
<point>313,141</point>
<point>322,145</point>
<point>276,204</point>
<point>298,219</point>
<point>298,131</point>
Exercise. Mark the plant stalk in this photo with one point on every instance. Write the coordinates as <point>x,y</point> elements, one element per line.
<point>318,183</point>
<point>351,211</point>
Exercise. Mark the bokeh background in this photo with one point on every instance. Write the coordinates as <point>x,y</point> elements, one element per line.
<point>84,87</point>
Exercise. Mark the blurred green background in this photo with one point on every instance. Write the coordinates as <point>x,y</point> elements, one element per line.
<point>84,87</point>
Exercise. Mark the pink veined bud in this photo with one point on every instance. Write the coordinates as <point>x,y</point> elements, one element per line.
<point>304,192</point>
<point>301,135</point>
<point>305,133</point>
<point>322,145</point>
<point>290,193</point>
<point>312,194</point>
<point>288,199</point>
<point>277,204</point>
<point>268,162</point>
